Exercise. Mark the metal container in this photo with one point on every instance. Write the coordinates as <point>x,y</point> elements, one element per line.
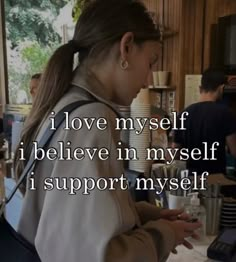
<point>213,211</point>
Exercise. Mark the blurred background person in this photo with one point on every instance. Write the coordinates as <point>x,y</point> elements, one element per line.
<point>34,82</point>
<point>208,121</point>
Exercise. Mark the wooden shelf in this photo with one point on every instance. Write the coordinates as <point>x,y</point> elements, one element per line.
<point>230,89</point>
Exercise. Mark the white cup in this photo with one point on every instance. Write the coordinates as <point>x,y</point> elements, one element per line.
<point>163,77</point>
<point>176,202</point>
<point>155,78</point>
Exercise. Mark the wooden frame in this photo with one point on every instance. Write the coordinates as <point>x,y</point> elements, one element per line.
<point>4,97</point>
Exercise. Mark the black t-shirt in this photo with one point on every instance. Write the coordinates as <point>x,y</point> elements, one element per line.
<point>1,125</point>
<point>207,122</point>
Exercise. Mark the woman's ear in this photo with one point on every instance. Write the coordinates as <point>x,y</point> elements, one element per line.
<point>126,45</point>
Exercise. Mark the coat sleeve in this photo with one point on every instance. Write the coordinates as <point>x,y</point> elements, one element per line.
<point>103,225</point>
<point>147,212</point>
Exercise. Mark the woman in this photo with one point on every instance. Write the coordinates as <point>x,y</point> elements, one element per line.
<point>117,44</point>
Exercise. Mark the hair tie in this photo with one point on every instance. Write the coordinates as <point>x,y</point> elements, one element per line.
<point>72,43</point>
<point>83,51</point>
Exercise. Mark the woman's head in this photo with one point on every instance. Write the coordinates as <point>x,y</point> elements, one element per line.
<point>120,38</point>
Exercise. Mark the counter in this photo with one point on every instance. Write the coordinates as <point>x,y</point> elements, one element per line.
<point>197,254</point>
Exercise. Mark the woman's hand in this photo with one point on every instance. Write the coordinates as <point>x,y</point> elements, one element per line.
<point>174,214</point>
<point>184,229</point>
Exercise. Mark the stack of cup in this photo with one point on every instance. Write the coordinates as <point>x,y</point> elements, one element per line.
<point>140,139</point>
<point>163,77</point>
<point>124,134</point>
<point>125,113</point>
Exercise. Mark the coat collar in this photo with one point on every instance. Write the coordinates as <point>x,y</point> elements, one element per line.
<point>87,81</point>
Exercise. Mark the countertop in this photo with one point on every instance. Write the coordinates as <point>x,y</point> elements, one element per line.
<point>197,254</point>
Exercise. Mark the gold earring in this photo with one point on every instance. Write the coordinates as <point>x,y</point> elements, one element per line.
<point>124,64</point>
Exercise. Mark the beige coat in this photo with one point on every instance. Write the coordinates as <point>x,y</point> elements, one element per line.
<point>103,226</point>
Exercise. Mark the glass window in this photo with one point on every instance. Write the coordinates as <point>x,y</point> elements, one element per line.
<point>34,29</point>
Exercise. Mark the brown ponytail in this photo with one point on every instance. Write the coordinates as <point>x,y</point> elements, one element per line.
<point>57,76</point>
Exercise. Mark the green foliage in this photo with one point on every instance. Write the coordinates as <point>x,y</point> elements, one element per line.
<point>76,12</point>
<point>14,78</point>
<point>31,39</point>
<point>33,59</point>
<point>78,7</point>
<point>32,20</point>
